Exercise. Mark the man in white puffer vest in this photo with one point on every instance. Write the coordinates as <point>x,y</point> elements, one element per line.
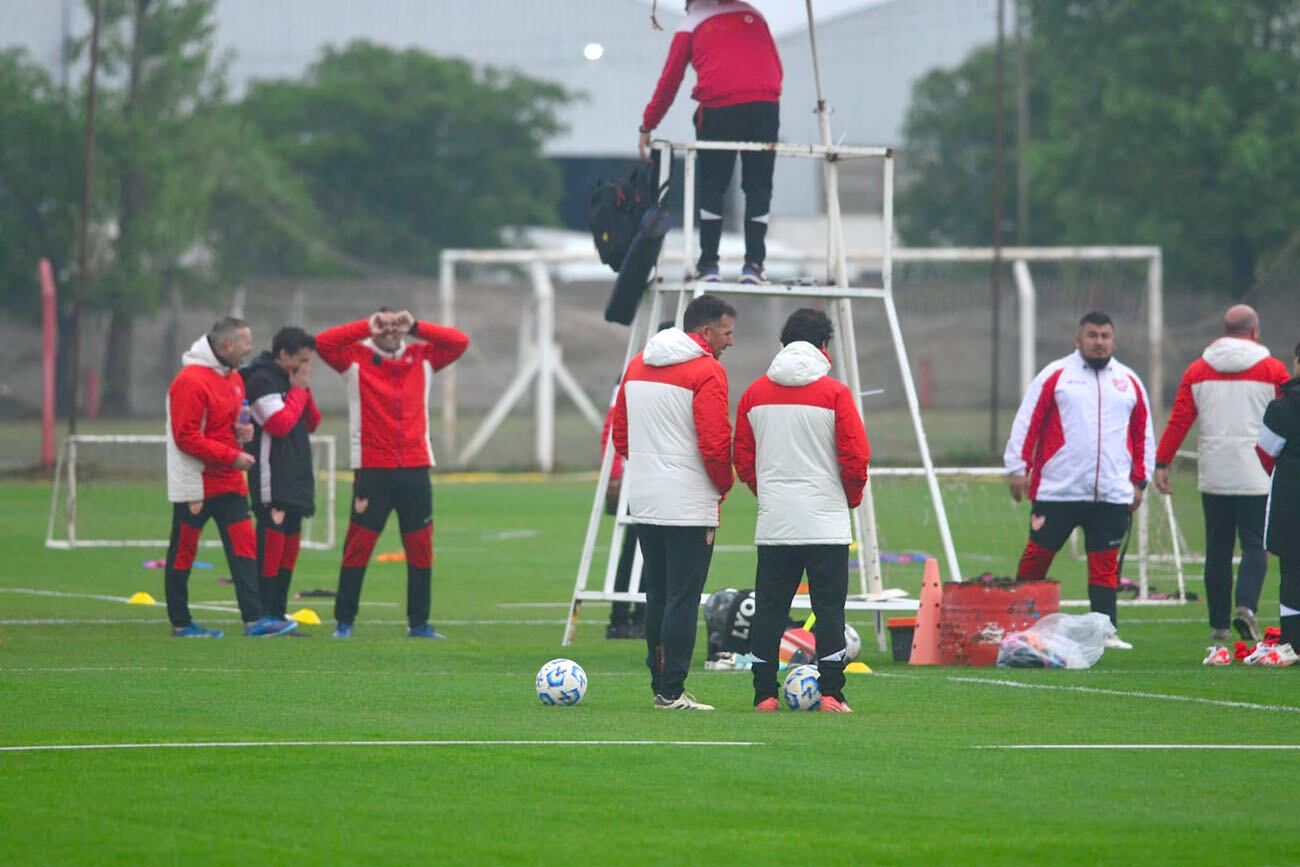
<point>1225,392</point>
<point>802,449</point>
<point>672,426</point>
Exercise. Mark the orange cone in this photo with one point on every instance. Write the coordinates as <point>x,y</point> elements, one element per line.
<point>925,641</point>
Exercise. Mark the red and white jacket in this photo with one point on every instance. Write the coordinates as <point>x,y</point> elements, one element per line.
<point>802,448</point>
<point>671,424</point>
<point>1082,435</point>
<point>388,392</point>
<point>1227,390</point>
<point>733,53</point>
<point>203,405</point>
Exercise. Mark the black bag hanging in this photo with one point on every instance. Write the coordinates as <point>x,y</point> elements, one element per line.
<point>615,210</point>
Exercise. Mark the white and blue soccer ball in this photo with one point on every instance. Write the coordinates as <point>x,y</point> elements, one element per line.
<point>802,688</point>
<point>561,682</point>
<point>852,643</point>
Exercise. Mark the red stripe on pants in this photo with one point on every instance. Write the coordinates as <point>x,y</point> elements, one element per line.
<point>360,543</point>
<point>272,553</point>
<point>187,545</point>
<point>290,558</point>
<point>243,539</point>
<point>419,547</point>
<point>1103,568</point>
<point>1035,562</point>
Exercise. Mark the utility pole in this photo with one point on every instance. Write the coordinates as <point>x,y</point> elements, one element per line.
<point>1022,129</point>
<point>995,276</point>
<point>87,190</point>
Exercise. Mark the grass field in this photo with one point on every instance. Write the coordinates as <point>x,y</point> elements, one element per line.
<point>920,774</point>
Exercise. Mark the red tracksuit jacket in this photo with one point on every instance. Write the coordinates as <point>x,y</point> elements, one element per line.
<point>388,393</point>
<point>202,407</point>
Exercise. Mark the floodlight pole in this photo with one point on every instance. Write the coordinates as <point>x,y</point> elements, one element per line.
<point>87,190</point>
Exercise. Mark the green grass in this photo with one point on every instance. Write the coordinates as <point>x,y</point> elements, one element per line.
<point>901,781</point>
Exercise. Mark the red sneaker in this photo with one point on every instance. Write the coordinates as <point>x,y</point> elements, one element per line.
<point>831,704</point>
<point>768,705</point>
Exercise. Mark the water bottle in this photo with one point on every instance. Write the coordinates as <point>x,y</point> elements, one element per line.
<point>245,414</point>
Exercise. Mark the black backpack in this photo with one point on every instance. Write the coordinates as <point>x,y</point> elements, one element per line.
<point>615,210</point>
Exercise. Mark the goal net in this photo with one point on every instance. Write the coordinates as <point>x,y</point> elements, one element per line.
<point>111,492</point>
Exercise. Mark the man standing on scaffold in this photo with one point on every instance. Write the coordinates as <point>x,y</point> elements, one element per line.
<point>738,86</point>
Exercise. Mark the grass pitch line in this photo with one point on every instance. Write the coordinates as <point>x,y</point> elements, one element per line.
<point>207,745</point>
<point>1138,747</point>
<point>1124,693</point>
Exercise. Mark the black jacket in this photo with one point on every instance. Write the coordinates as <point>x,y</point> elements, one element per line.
<point>283,418</point>
<point>1282,421</point>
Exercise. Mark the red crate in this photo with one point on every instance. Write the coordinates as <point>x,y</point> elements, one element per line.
<point>974,615</point>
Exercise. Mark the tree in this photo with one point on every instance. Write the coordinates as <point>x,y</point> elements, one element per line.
<point>1169,123</point>
<point>40,174</point>
<point>407,153</point>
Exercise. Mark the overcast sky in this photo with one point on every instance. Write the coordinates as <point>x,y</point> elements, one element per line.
<point>786,15</point>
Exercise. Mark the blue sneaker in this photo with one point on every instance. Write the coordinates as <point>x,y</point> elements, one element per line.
<point>195,631</point>
<point>708,273</point>
<point>269,627</point>
<point>425,631</point>
<point>343,630</point>
<point>752,275</point>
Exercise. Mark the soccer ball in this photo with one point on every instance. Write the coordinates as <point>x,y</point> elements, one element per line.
<point>852,644</point>
<point>802,690</point>
<point>561,681</point>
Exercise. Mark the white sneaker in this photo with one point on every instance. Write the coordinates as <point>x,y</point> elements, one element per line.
<point>1280,655</point>
<point>685,701</point>
<point>1114,642</point>
<point>1217,655</point>
<point>1258,653</point>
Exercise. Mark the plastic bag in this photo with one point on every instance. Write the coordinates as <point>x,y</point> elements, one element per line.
<point>1057,641</point>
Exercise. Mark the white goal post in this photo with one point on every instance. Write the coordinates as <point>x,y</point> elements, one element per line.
<point>67,489</point>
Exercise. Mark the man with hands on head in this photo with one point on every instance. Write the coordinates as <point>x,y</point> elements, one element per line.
<point>388,361</point>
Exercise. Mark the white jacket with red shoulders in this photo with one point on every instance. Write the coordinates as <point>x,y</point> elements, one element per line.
<point>1082,434</point>
<point>733,53</point>
<point>802,448</point>
<point>203,405</point>
<point>671,424</point>
<point>388,392</point>
<point>1225,392</point>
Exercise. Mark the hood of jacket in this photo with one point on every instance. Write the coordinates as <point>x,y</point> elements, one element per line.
<point>799,363</point>
<point>673,346</point>
<point>201,354</point>
<point>1234,354</point>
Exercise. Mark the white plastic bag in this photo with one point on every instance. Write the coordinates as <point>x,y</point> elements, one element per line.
<point>1057,641</point>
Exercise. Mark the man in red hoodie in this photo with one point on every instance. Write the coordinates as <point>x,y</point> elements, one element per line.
<point>388,381</point>
<point>802,448</point>
<point>205,478</point>
<point>738,86</point>
<point>1225,392</point>
<point>671,425</point>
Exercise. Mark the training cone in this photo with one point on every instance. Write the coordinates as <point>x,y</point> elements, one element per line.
<point>857,668</point>
<point>925,641</point>
<point>141,598</point>
<point>306,616</point>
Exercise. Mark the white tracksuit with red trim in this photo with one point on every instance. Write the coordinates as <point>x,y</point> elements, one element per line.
<point>802,448</point>
<point>671,424</point>
<point>1082,435</point>
<point>388,392</point>
<point>735,59</point>
<point>203,404</point>
<point>1225,392</point>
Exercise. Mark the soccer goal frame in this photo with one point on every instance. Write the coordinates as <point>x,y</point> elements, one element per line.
<point>66,468</point>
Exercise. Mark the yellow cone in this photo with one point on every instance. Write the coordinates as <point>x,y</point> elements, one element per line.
<point>306,616</point>
<point>857,668</point>
<point>141,598</point>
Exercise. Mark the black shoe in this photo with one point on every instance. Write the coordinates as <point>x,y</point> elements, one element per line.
<point>619,630</point>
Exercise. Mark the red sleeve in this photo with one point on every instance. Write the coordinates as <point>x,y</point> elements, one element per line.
<point>616,471</point>
<point>1181,418</point>
<point>745,457</point>
<point>618,427</point>
<point>333,345</point>
<point>442,344</point>
<point>679,55</point>
<point>313,414</point>
<point>1138,422</point>
<point>188,408</point>
<point>851,447</point>
<point>1265,460</point>
<point>713,427</point>
<point>282,421</point>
